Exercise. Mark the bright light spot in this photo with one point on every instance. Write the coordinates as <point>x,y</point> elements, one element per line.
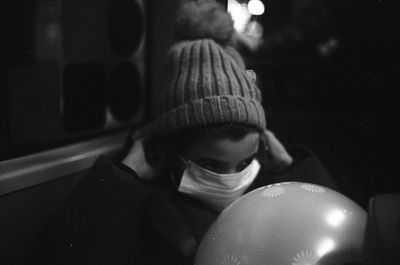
<point>335,217</point>
<point>256,7</point>
<point>240,15</point>
<point>325,246</point>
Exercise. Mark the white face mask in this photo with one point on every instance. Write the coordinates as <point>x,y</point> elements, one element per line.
<point>217,190</point>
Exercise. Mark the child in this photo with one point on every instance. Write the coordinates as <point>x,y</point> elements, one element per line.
<point>208,146</point>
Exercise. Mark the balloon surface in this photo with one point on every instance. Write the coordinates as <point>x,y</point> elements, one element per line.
<point>288,223</point>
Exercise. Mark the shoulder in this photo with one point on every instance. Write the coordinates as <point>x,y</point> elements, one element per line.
<point>306,167</point>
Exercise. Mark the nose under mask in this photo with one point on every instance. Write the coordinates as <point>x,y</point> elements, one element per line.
<point>216,190</point>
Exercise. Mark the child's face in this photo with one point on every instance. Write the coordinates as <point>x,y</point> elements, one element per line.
<point>223,155</point>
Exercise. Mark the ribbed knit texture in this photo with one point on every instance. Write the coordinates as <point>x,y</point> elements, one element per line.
<point>207,85</point>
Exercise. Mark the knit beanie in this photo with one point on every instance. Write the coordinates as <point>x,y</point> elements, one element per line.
<point>207,83</point>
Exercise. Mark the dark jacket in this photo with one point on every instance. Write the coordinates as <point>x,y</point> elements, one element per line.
<point>113,217</point>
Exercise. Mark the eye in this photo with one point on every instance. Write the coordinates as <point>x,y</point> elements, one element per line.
<point>208,167</point>
<point>244,164</point>
<point>214,167</point>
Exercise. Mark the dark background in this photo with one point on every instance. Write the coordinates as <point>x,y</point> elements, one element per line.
<point>343,106</point>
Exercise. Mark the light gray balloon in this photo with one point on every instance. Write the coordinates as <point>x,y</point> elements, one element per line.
<point>288,223</point>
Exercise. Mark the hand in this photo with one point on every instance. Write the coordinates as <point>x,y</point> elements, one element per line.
<point>136,160</point>
<point>279,157</point>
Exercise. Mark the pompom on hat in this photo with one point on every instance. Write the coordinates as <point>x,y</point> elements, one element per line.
<point>207,80</point>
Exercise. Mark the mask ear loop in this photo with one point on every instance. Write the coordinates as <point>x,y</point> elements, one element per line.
<point>264,148</point>
<point>177,172</point>
<point>264,152</point>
